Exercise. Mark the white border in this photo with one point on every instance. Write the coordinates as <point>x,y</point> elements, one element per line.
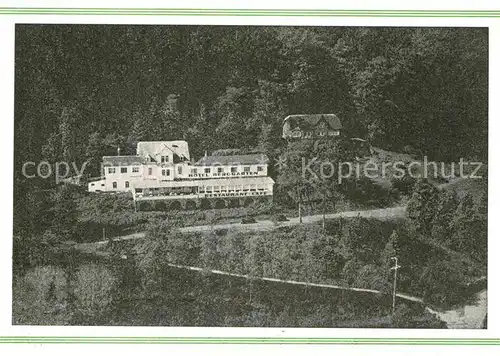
<point>6,91</point>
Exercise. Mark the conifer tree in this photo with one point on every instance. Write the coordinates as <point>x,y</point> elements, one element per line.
<point>422,206</point>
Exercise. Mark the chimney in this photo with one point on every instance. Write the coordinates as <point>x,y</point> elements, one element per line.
<point>118,151</point>
<point>205,153</point>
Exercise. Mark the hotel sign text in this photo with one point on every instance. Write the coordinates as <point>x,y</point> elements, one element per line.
<point>224,174</point>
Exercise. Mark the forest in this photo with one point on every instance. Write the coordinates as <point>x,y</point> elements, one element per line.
<point>441,244</point>
<point>83,91</point>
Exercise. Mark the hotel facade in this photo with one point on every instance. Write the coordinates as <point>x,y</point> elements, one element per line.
<point>163,171</point>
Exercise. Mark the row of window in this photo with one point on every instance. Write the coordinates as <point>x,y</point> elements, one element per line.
<point>234,188</point>
<point>112,170</point>
<point>203,190</point>
<point>222,170</point>
<point>115,185</point>
<point>93,184</point>
<point>308,134</point>
<point>217,188</point>
<point>166,172</point>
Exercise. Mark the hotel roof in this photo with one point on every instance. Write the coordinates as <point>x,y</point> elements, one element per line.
<point>123,160</point>
<point>153,148</point>
<point>257,158</point>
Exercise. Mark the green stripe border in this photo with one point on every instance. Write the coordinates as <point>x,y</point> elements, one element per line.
<point>245,12</point>
<point>241,340</point>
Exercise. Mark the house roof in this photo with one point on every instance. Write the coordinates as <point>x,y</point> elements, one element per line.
<point>153,148</point>
<point>257,158</point>
<point>311,120</point>
<point>123,160</point>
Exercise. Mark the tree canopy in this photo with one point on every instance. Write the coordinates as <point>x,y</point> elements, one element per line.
<point>231,86</point>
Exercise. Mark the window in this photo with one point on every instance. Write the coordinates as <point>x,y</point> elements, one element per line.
<point>135,169</point>
<point>260,168</point>
<point>246,169</point>
<point>216,189</point>
<point>207,170</point>
<point>209,189</point>
<point>234,169</point>
<point>123,170</point>
<point>220,170</point>
<point>322,133</point>
<point>127,184</point>
<point>92,184</point>
<point>111,170</point>
<point>336,133</point>
<point>165,172</point>
<point>102,185</point>
<point>194,171</point>
<point>179,170</point>
<point>115,185</point>
<point>164,159</point>
<point>150,171</point>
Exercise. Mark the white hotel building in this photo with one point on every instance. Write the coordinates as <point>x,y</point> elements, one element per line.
<point>163,170</point>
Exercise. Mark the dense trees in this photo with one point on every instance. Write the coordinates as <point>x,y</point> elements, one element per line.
<point>83,91</point>
<point>59,295</point>
<point>422,206</point>
<point>41,297</point>
<point>424,87</point>
<point>458,223</point>
<point>93,289</point>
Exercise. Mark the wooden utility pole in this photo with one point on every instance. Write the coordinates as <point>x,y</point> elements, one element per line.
<point>324,209</point>
<point>395,268</point>
<point>300,212</point>
<point>300,204</point>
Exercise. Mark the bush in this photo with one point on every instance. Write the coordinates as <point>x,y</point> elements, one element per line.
<point>41,297</point>
<point>94,286</point>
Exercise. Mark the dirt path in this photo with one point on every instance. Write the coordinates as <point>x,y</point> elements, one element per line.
<point>267,225</point>
<point>467,317</point>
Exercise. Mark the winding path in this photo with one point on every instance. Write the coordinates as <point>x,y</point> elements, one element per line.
<point>467,317</point>
<point>268,225</point>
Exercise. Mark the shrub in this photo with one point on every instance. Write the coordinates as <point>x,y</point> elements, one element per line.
<point>40,297</point>
<point>94,285</point>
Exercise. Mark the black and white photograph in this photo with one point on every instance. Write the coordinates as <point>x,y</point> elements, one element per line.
<point>250,176</point>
